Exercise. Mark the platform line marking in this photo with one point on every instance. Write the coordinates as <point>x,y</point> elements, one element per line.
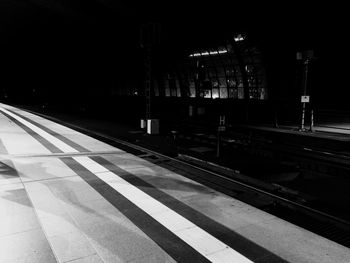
<point>200,240</point>
<point>204,243</point>
<point>58,143</point>
<point>55,155</point>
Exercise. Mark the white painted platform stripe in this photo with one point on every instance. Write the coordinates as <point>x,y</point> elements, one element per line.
<point>204,243</point>
<point>58,143</point>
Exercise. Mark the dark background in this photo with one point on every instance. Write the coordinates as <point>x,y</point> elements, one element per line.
<point>64,50</point>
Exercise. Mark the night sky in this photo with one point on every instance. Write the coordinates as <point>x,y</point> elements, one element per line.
<point>72,46</point>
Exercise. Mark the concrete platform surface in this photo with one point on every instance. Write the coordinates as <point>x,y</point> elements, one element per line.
<point>66,197</point>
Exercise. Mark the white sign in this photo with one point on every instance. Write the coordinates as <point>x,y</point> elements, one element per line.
<point>305,99</point>
<point>222,120</point>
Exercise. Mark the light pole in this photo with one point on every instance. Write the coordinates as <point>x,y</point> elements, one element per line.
<point>304,99</point>
<point>306,56</point>
<point>149,38</point>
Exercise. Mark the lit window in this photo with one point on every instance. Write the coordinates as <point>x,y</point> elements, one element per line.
<point>215,93</point>
<point>239,37</point>
<point>207,93</point>
<point>192,90</point>
<point>223,93</point>
<point>206,53</point>
<point>195,55</point>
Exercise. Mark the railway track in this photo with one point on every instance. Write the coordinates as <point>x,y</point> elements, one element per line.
<point>316,156</point>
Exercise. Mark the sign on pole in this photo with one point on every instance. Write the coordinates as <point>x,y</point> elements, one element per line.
<point>305,99</point>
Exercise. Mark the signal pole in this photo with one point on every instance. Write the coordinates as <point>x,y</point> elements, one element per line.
<point>149,37</point>
<point>307,56</point>
<point>304,98</point>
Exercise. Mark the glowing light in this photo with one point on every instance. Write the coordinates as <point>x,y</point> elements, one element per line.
<point>206,53</point>
<point>195,55</point>
<point>215,95</point>
<point>239,37</point>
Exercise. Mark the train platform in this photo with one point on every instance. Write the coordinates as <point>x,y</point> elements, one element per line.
<point>67,197</point>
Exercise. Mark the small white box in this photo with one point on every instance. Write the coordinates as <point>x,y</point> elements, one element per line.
<point>305,99</point>
<point>143,124</point>
<point>153,126</point>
